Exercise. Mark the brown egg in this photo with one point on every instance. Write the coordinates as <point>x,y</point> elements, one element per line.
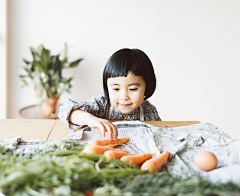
<point>205,160</point>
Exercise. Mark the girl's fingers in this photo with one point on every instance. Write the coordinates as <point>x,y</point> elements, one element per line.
<point>105,127</point>
<point>102,129</point>
<point>114,131</point>
<point>104,133</point>
<point>108,128</point>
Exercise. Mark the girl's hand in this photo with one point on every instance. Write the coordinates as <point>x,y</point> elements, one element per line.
<point>104,126</point>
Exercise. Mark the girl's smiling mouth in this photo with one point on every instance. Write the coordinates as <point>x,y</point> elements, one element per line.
<point>125,105</point>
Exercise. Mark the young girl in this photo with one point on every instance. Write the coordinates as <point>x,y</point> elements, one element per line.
<point>128,81</point>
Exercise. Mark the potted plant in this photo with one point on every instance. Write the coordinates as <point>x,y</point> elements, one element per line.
<point>45,73</point>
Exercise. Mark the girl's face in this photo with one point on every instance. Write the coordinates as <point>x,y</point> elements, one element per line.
<point>126,93</point>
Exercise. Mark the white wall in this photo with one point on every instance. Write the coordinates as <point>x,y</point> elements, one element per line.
<point>194,46</point>
<point>3,59</point>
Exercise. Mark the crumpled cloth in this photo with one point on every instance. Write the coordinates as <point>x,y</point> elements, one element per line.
<point>191,139</point>
<point>182,142</point>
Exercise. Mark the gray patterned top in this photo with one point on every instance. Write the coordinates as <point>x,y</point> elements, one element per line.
<point>99,107</point>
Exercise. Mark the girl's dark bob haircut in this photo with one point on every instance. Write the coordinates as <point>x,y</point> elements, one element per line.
<point>130,60</point>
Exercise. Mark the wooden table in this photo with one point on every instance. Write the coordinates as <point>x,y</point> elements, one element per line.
<point>54,129</point>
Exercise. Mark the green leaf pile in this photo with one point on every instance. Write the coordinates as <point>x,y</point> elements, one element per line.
<point>61,169</point>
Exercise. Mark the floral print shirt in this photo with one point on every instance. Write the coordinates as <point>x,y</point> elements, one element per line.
<point>99,107</point>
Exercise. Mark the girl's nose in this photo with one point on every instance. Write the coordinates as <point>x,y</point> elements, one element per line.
<point>124,95</point>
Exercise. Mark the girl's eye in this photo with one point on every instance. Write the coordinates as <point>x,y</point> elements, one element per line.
<point>116,89</point>
<point>133,89</point>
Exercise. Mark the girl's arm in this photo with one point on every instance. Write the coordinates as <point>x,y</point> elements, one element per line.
<point>92,112</point>
<point>80,117</point>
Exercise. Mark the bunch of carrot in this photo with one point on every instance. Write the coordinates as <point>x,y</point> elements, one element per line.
<point>106,147</point>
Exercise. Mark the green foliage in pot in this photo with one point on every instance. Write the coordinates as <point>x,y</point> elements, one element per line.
<point>45,72</point>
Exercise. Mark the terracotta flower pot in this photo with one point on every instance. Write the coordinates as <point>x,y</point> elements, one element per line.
<point>50,107</point>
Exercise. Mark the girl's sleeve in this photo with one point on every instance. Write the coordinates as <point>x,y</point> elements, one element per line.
<point>150,112</point>
<point>94,106</point>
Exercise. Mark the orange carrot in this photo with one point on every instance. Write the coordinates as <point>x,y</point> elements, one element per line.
<point>136,158</point>
<point>106,142</point>
<point>113,145</point>
<point>114,154</point>
<point>88,193</point>
<point>94,149</point>
<point>155,163</point>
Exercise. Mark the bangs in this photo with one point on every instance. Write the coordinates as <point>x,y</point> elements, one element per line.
<point>122,65</point>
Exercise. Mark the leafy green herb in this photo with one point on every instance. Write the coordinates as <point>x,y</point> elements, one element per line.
<point>61,169</point>
<point>164,183</point>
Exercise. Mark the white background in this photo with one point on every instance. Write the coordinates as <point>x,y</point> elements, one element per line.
<point>3,59</point>
<point>193,45</point>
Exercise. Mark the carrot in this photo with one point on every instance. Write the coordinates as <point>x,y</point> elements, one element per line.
<point>136,158</point>
<point>113,145</point>
<point>155,163</point>
<point>106,142</point>
<point>114,154</point>
<point>94,149</point>
<point>88,194</point>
